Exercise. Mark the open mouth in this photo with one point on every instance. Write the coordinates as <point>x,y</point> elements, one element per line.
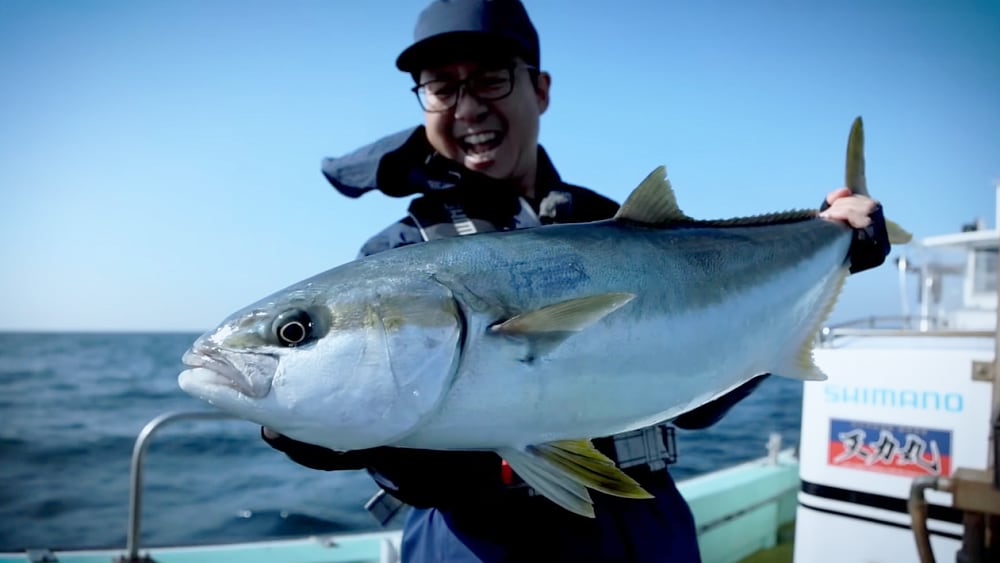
<point>209,369</point>
<point>480,144</point>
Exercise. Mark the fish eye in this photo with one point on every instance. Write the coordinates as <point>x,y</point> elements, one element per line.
<point>292,328</point>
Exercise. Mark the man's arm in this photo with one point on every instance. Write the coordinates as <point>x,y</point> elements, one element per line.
<point>713,411</point>
<point>421,478</point>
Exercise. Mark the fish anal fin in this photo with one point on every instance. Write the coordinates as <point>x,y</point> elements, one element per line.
<point>805,368</point>
<point>652,202</point>
<point>808,371</point>
<point>563,471</point>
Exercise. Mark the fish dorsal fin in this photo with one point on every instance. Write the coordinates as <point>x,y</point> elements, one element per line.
<point>544,329</point>
<point>652,202</point>
<point>563,471</point>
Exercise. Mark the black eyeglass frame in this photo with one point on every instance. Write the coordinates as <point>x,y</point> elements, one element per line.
<point>462,87</point>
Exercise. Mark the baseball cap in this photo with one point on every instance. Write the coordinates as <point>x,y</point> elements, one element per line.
<point>450,30</point>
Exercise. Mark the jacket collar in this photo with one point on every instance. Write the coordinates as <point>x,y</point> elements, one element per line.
<point>405,164</point>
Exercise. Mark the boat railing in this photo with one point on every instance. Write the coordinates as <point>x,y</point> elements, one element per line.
<point>895,326</point>
<point>138,459</point>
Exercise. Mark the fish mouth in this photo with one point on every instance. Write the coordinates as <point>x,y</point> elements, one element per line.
<point>208,367</point>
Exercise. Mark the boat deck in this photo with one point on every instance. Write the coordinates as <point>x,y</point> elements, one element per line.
<point>782,552</point>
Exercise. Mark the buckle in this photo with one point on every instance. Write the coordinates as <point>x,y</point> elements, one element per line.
<point>384,507</point>
<point>655,446</point>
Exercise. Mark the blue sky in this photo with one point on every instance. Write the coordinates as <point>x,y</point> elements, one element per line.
<point>159,161</point>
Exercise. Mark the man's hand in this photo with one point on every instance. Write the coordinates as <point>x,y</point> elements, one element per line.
<point>855,210</point>
<point>315,457</point>
<point>870,244</point>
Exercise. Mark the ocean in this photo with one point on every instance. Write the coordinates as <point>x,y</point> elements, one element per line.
<point>71,406</point>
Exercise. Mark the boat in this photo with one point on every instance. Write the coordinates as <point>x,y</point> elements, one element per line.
<point>892,442</point>
<point>894,462</point>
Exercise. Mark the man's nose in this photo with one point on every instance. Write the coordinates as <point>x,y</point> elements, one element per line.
<point>468,107</point>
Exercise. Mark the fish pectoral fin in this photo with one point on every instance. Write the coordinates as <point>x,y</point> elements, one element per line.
<point>546,328</point>
<point>573,315</point>
<point>653,202</point>
<point>563,471</point>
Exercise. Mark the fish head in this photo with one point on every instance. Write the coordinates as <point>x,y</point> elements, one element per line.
<point>347,365</point>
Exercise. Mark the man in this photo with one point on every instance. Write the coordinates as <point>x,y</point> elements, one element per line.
<point>476,166</point>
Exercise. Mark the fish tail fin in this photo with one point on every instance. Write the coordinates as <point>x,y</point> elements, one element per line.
<point>801,365</point>
<point>854,177</point>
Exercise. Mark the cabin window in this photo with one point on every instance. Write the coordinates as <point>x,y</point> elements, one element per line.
<point>984,277</point>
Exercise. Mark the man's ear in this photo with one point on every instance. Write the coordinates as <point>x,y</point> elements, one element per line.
<point>542,85</point>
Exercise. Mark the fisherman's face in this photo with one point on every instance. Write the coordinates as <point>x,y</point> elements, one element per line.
<point>496,137</point>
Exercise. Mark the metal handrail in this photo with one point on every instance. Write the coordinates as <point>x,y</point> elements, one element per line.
<point>138,456</point>
<point>894,326</point>
<point>917,507</point>
<point>828,334</point>
<point>872,321</point>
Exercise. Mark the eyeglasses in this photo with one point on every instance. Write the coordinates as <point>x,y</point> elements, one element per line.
<point>486,85</point>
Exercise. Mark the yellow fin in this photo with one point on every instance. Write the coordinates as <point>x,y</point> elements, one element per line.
<point>854,177</point>
<point>544,329</point>
<point>572,315</point>
<point>897,234</point>
<point>560,470</point>
<point>804,362</point>
<point>854,171</point>
<point>652,202</point>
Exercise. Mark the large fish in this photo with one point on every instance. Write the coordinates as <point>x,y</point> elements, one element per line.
<point>530,343</point>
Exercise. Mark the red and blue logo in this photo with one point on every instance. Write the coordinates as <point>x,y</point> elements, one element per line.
<point>889,448</point>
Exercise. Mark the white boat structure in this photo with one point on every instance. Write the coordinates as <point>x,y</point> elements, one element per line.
<point>897,461</point>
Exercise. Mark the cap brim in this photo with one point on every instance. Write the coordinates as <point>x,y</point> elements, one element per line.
<point>455,47</point>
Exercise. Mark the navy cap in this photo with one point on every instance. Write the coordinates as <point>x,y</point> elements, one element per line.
<point>452,30</point>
